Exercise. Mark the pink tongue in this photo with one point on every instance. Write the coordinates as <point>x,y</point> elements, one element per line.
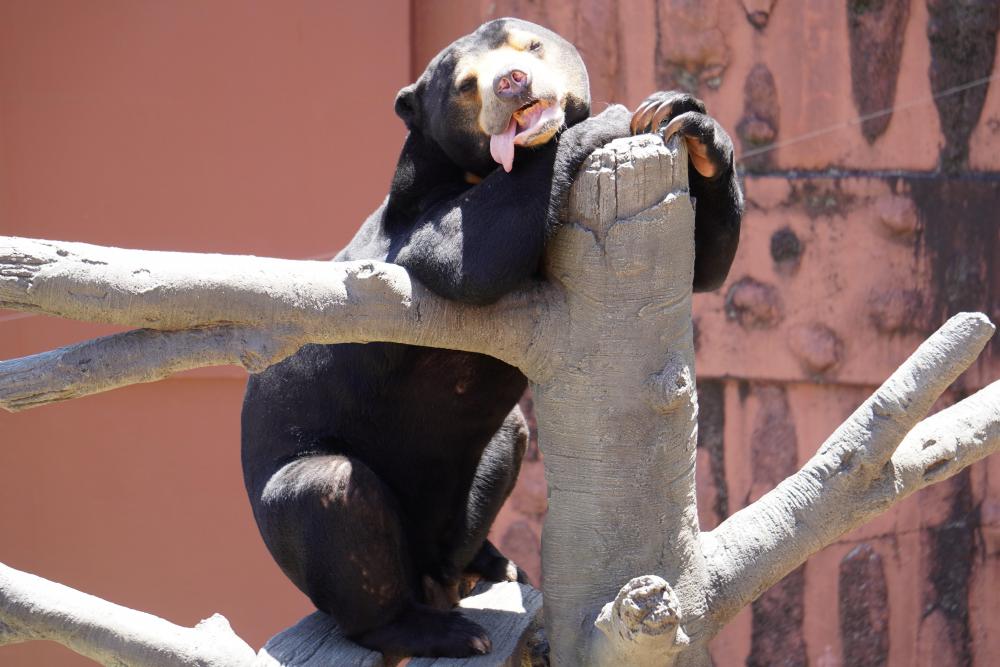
<point>502,146</point>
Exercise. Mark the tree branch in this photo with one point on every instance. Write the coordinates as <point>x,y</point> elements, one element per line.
<point>143,355</point>
<point>240,310</point>
<point>34,608</point>
<point>871,461</point>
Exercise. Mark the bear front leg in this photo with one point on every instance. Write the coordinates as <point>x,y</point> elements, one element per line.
<point>471,555</point>
<point>575,146</point>
<point>668,112</point>
<point>491,565</point>
<point>712,175</point>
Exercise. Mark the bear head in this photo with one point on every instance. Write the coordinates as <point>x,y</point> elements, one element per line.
<point>510,83</point>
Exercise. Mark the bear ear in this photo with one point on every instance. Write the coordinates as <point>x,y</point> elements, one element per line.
<point>408,106</point>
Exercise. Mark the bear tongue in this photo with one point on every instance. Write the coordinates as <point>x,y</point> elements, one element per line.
<point>502,146</point>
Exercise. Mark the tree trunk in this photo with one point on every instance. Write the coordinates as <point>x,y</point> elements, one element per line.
<point>616,411</point>
<point>607,345</point>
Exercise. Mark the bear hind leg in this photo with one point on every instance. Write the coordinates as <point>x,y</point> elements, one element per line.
<point>423,631</point>
<point>333,527</point>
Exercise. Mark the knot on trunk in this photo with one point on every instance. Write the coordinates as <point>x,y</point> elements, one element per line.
<point>671,386</point>
<point>643,622</point>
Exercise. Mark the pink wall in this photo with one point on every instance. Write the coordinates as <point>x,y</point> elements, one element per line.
<point>226,126</point>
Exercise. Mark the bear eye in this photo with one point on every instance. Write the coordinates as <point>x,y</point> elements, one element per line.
<point>535,46</point>
<point>468,85</point>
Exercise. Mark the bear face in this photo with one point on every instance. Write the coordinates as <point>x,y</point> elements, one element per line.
<point>510,83</point>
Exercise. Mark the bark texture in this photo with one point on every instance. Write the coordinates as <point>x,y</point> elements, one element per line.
<point>607,344</point>
<point>617,417</point>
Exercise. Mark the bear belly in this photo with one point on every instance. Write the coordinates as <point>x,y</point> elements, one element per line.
<point>447,403</point>
<point>464,379</point>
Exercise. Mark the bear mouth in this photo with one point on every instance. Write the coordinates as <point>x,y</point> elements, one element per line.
<point>533,124</point>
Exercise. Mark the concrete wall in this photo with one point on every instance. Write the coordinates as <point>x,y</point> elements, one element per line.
<point>226,126</point>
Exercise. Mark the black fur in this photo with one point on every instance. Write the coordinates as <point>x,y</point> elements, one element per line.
<point>718,198</point>
<point>375,471</point>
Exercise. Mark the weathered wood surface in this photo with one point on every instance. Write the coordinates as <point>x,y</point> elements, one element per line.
<point>506,610</point>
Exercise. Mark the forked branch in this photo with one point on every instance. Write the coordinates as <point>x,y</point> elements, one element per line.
<point>877,457</point>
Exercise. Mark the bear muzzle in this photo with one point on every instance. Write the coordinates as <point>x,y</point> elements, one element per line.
<point>533,124</point>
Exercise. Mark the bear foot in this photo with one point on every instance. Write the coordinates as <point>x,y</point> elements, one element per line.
<point>425,632</point>
<point>492,565</point>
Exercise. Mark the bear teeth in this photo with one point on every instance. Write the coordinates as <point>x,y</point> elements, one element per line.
<point>529,107</point>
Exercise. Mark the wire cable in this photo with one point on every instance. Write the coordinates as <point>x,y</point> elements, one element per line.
<point>868,116</point>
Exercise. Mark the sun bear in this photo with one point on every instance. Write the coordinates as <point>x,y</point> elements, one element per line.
<point>375,471</point>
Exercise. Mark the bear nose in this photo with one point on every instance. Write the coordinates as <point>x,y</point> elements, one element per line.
<point>512,83</point>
